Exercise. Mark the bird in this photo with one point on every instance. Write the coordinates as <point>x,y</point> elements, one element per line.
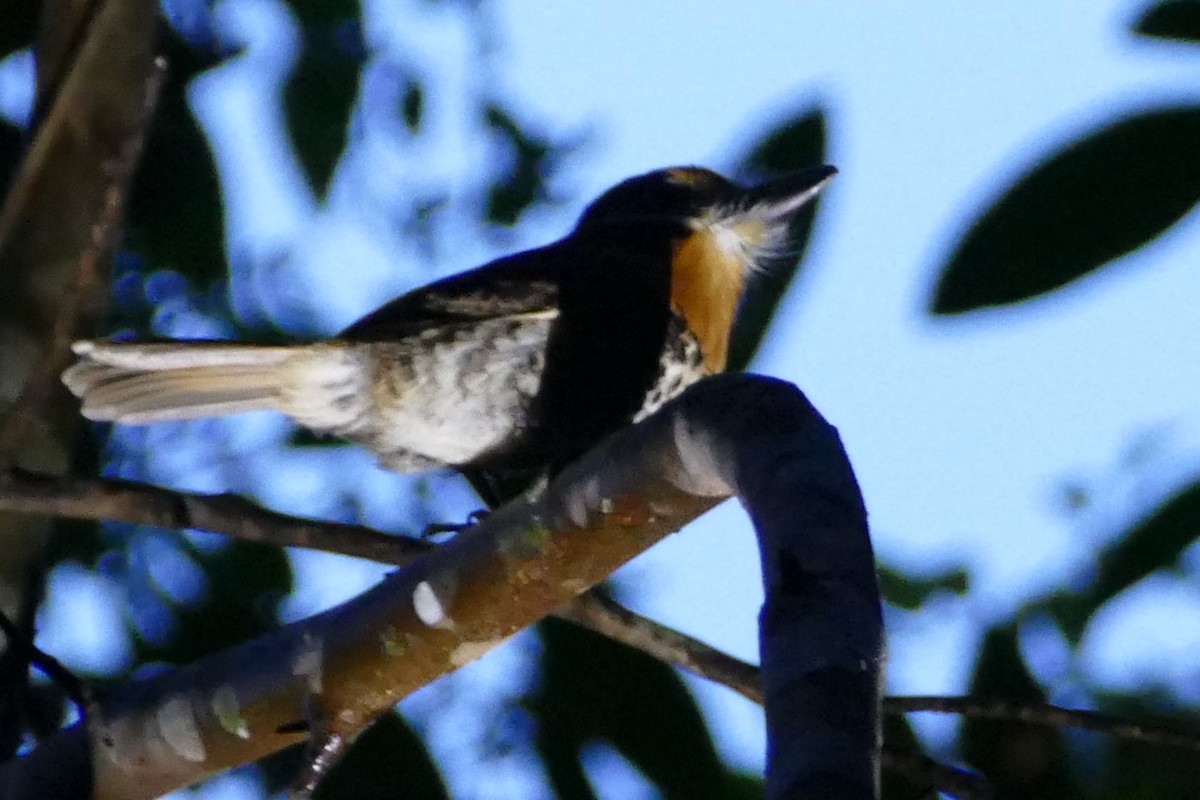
<point>505,372</point>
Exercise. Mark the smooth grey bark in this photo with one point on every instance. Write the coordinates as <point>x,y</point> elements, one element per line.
<point>820,628</point>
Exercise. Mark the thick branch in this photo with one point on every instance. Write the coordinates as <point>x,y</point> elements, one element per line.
<point>357,660</point>
<point>92,498</point>
<point>820,629</point>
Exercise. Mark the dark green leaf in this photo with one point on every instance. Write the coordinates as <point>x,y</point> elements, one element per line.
<point>413,106</point>
<point>796,144</point>
<point>523,183</point>
<point>1178,20</point>
<point>324,13</point>
<point>1153,543</point>
<point>1134,770</point>
<point>175,217</point>
<point>388,761</point>
<point>321,90</point>
<point>593,688</point>
<point>303,437</point>
<point>20,24</point>
<point>245,582</point>
<point>906,591</point>
<point>1098,199</point>
<point>1020,760</point>
<point>898,735</point>
<point>12,146</point>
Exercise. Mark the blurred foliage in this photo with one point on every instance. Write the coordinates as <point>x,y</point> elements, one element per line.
<point>1151,544</point>
<point>175,219</point>
<point>528,159</point>
<point>20,21</point>
<point>910,592</point>
<point>241,585</point>
<point>20,17</point>
<point>1126,770</point>
<point>321,89</point>
<point>592,689</point>
<point>1084,207</point>
<point>388,761</point>
<point>899,734</point>
<point>1020,760</point>
<point>797,142</point>
<point>12,144</point>
<point>412,106</point>
<point>1178,20</point>
<point>1100,198</point>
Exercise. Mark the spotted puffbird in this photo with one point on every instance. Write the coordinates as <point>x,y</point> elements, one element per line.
<point>508,371</point>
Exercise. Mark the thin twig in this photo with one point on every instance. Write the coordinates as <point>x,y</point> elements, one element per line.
<point>1043,714</point>
<point>143,504</point>
<point>79,692</point>
<point>606,616</point>
<point>938,778</point>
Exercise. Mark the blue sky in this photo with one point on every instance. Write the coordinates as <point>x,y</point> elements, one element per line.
<point>962,432</point>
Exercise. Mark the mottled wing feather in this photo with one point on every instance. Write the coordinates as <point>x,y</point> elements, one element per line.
<point>511,286</point>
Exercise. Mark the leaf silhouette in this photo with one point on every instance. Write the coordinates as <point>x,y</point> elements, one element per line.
<point>797,143</point>
<point>1098,199</point>
<point>1178,20</point>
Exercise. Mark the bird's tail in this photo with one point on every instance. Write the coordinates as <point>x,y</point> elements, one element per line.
<point>139,383</point>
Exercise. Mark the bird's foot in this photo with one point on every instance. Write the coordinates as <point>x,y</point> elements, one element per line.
<point>435,529</point>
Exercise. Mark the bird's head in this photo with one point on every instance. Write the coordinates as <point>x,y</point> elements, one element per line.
<point>750,224</point>
<point>722,233</point>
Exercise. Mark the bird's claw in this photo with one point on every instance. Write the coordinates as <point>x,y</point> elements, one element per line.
<point>435,529</point>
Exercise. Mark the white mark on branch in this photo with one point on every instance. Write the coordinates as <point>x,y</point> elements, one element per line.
<point>432,604</point>
<point>466,652</point>
<point>178,727</point>
<point>307,663</point>
<point>575,586</point>
<point>577,512</point>
<point>702,472</point>
<point>660,509</point>
<point>228,711</point>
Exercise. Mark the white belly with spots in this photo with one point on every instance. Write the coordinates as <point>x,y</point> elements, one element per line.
<point>680,365</point>
<point>451,396</point>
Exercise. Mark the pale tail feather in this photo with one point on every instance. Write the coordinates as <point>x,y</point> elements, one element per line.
<point>138,383</point>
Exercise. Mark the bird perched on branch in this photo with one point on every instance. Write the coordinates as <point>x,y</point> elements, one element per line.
<point>508,371</point>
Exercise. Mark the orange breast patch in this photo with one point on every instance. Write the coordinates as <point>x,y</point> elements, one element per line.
<point>706,282</point>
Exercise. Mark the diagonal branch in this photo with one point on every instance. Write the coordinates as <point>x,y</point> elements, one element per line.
<point>143,504</point>
<point>354,661</point>
<point>136,503</point>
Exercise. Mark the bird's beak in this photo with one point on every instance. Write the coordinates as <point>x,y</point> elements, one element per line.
<point>779,199</point>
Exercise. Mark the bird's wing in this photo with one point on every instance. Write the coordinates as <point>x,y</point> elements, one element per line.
<point>517,285</point>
